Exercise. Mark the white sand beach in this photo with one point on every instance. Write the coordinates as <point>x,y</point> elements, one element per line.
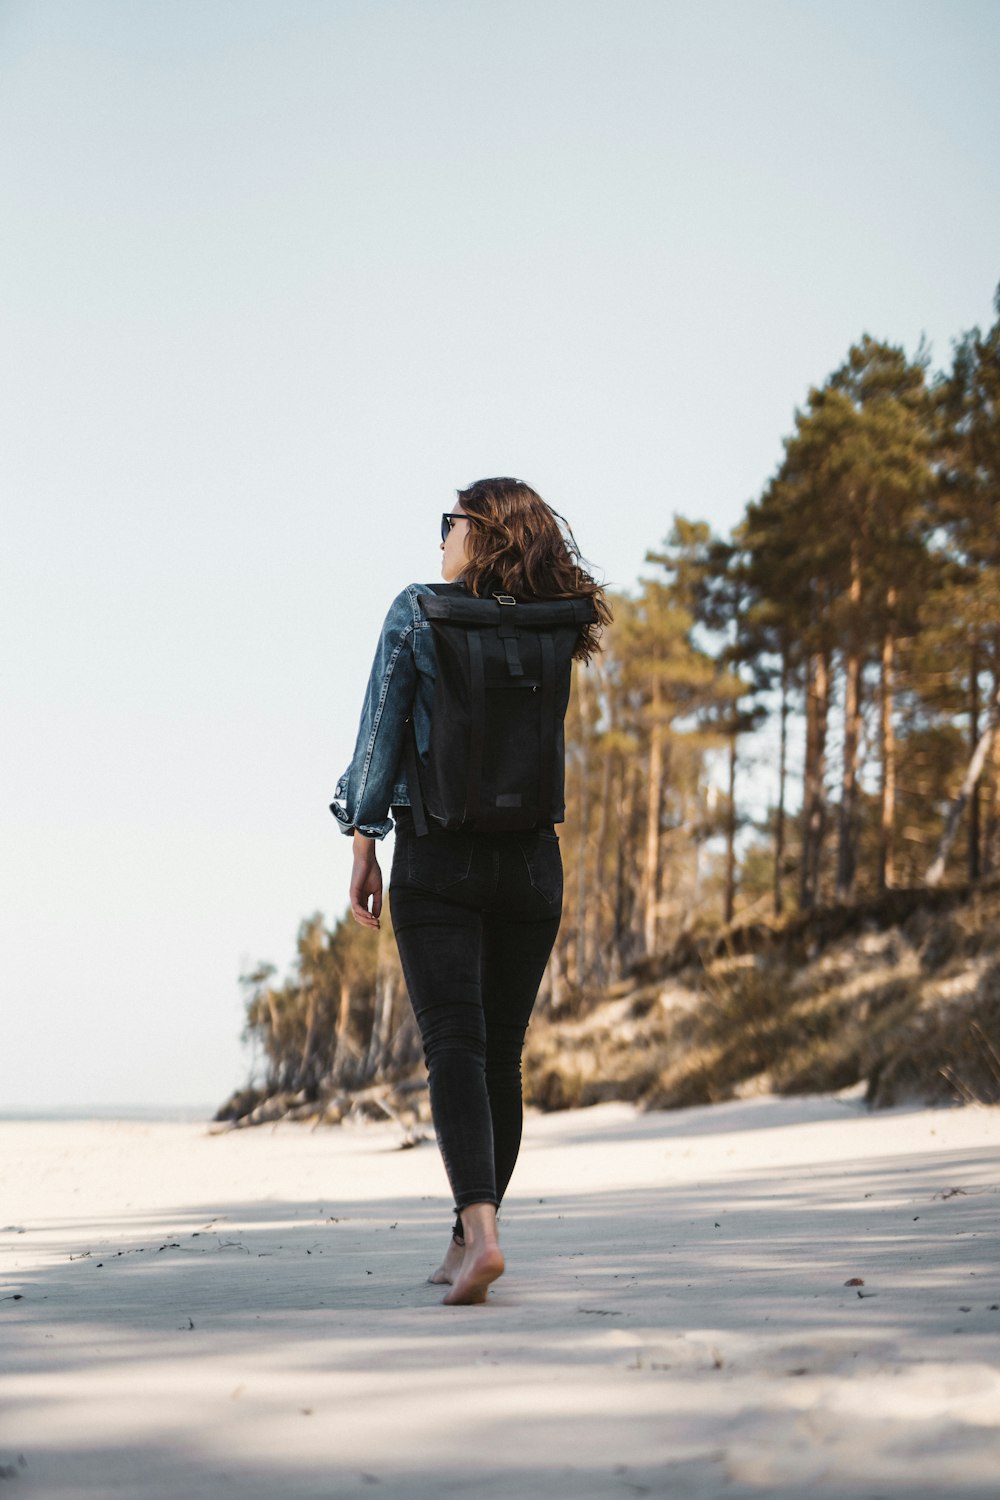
<point>246,1314</point>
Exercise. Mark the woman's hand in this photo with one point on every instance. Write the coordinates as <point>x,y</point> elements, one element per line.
<point>366,880</point>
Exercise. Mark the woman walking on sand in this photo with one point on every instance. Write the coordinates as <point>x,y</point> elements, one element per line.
<point>476,894</point>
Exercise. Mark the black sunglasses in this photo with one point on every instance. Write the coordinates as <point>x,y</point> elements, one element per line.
<point>448,519</point>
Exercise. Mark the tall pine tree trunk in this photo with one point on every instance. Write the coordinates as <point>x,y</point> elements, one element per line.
<point>730,901</point>
<point>974,737</point>
<point>847,816</point>
<point>596,910</point>
<point>278,1069</point>
<point>651,862</point>
<point>341,1042</point>
<point>814,778</point>
<point>555,969</point>
<point>991,841</point>
<point>618,887</point>
<point>633,875</point>
<point>626,861</point>
<point>887,807</point>
<point>378,1045</point>
<point>972,775</point>
<point>847,834</point>
<point>779,820</point>
<point>306,1077</point>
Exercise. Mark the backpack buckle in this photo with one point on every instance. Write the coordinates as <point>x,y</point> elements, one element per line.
<point>505,599</point>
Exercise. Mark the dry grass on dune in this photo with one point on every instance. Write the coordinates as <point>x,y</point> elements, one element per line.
<point>913,1008</point>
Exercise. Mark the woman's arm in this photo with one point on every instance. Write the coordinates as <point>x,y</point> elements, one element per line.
<point>366,880</point>
<point>361,802</point>
<point>364,792</point>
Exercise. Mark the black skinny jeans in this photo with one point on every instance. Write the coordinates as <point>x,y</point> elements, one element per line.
<point>475,917</point>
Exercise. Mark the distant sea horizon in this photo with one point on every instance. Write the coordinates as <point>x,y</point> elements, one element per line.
<point>174,1113</point>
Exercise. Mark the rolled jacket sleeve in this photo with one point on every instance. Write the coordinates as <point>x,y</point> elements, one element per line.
<point>363,794</point>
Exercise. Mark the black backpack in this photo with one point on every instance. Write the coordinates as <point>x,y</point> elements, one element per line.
<point>497,750</point>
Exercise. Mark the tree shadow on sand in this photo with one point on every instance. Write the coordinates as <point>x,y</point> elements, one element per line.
<point>655,1340</point>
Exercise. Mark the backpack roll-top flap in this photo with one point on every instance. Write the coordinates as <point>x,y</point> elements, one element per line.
<point>538,614</point>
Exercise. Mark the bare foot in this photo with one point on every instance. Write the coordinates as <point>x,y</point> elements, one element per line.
<point>482,1262</point>
<point>450,1266</point>
<point>481,1265</point>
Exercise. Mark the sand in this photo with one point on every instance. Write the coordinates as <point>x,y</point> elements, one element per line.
<point>188,1314</point>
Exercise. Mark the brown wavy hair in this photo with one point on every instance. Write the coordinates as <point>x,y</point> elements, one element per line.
<point>516,545</point>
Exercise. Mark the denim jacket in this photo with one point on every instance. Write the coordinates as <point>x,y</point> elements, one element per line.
<point>401,682</point>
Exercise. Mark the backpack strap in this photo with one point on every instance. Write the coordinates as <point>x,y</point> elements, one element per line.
<point>417,807</point>
<point>547,747</point>
<point>477,727</point>
<point>508,634</point>
<point>413,782</point>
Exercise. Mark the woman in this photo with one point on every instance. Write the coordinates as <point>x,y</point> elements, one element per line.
<point>475,914</point>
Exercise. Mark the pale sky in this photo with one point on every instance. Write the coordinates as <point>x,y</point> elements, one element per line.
<point>275,280</point>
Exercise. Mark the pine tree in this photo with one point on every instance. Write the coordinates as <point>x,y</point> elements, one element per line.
<point>969,521</point>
